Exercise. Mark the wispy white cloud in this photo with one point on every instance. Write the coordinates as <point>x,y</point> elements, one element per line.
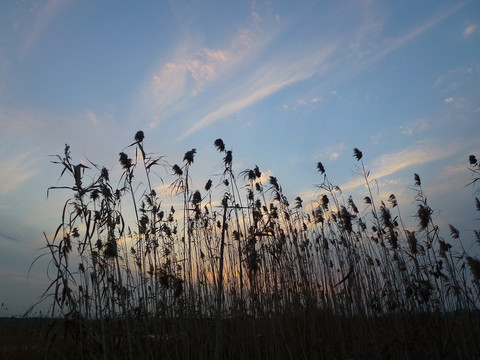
<point>453,80</point>
<point>422,124</point>
<point>458,102</point>
<point>15,171</point>
<point>193,69</point>
<point>415,127</point>
<point>366,44</point>
<point>43,17</point>
<point>267,80</point>
<point>311,101</point>
<point>165,89</point>
<point>389,164</point>
<point>256,16</point>
<point>240,103</point>
<point>363,41</point>
<point>393,44</point>
<point>375,138</point>
<point>19,121</point>
<point>92,117</point>
<point>331,153</point>
<point>406,130</point>
<point>469,30</point>
<point>453,74</point>
<point>208,65</point>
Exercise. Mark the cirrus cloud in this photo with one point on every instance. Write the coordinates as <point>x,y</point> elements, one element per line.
<point>469,30</point>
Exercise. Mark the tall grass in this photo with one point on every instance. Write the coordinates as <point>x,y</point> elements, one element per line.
<point>239,272</point>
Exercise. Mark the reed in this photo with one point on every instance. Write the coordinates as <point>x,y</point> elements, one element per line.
<point>239,272</point>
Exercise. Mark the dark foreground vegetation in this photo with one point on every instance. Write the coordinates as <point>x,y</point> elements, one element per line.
<point>312,334</point>
<point>236,271</point>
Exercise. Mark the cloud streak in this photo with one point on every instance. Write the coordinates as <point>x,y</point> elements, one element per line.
<point>44,17</point>
<point>302,69</point>
<point>389,164</point>
<point>15,171</point>
<point>390,45</point>
<point>220,73</point>
<point>194,69</point>
<point>266,81</point>
<point>469,30</point>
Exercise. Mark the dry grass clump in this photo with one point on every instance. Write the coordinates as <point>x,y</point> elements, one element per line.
<point>239,272</point>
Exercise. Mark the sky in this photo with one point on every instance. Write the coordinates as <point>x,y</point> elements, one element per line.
<point>285,84</point>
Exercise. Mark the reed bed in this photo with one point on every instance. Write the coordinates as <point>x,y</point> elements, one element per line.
<point>238,272</point>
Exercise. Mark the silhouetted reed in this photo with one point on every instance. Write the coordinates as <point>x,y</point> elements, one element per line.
<point>239,272</point>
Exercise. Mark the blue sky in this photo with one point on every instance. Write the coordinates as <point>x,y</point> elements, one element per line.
<point>284,83</point>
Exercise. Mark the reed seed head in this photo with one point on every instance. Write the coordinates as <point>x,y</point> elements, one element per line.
<point>320,168</point>
<point>352,205</point>
<point>228,158</point>
<point>257,172</point>
<point>325,202</point>
<point>208,185</point>
<point>357,154</point>
<point>298,202</point>
<point>472,159</point>
<point>177,170</point>
<point>474,265</point>
<point>196,198</point>
<point>273,181</point>
<point>139,136</point>
<point>444,246</point>
<point>416,178</point>
<point>189,155</point>
<point>454,232</point>
<point>393,200</point>
<point>125,161</point>
<point>423,214</point>
<point>219,145</point>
